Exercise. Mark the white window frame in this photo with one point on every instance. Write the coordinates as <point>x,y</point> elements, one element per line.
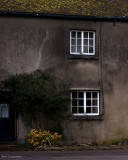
<point>85,106</point>
<point>82,42</point>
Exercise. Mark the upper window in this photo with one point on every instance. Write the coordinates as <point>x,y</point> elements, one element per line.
<point>82,42</point>
<point>85,102</point>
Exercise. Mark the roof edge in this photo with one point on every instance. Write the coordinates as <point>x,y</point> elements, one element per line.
<point>63,16</point>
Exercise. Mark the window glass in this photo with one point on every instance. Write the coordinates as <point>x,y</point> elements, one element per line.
<point>86,42</point>
<point>91,42</point>
<point>88,102</point>
<point>74,102</point>
<point>78,34</point>
<point>90,49</point>
<point>73,42</point>
<point>95,109</point>
<point>78,41</point>
<point>73,49</point>
<point>74,109</point>
<point>94,94</point>
<point>85,49</point>
<point>78,49</point>
<point>73,34</point>
<point>85,34</point>
<point>94,102</point>
<point>81,94</point>
<point>88,110</point>
<point>81,103</point>
<point>4,111</point>
<point>88,94</point>
<point>74,94</point>
<point>81,109</point>
<point>90,34</point>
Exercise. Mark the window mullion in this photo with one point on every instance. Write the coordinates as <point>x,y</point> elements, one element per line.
<point>88,42</point>
<point>98,101</point>
<point>77,103</point>
<point>77,42</point>
<point>94,43</point>
<point>85,102</point>
<point>70,42</point>
<point>91,103</point>
<point>71,101</point>
<point>82,42</point>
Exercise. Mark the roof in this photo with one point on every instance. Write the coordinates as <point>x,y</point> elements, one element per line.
<point>98,8</point>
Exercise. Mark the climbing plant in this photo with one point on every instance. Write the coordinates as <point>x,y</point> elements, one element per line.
<point>38,98</point>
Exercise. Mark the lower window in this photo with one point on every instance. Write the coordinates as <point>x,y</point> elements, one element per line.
<point>85,102</point>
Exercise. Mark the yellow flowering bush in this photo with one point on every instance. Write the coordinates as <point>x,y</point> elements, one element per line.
<point>41,137</point>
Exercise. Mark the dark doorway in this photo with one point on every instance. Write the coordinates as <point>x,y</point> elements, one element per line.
<point>7,123</point>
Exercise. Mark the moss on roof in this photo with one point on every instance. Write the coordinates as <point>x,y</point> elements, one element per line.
<point>104,8</point>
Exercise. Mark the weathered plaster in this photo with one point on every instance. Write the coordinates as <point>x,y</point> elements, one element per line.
<point>27,44</point>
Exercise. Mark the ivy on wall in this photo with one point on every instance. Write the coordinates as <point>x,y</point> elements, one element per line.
<point>38,98</point>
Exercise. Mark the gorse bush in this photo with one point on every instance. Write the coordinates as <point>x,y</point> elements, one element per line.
<point>40,99</point>
<point>41,137</point>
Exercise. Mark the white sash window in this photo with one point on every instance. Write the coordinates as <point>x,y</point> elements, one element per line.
<point>82,42</point>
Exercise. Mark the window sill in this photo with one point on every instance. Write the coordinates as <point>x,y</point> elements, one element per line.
<point>90,118</point>
<point>91,57</point>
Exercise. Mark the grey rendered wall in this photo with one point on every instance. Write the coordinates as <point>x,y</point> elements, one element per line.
<point>27,44</point>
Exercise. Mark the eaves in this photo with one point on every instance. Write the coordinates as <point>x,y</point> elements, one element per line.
<point>62,16</point>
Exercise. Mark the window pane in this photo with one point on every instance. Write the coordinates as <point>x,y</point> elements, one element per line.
<point>81,94</point>
<point>88,94</point>
<point>88,102</point>
<point>73,34</point>
<point>81,109</point>
<point>85,49</point>
<point>90,34</point>
<point>4,111</point>
<point>85,34</point>
<point>74,102</point>
<point>94,102</point>
<point>91,42</point>
<point>95,110</point>
<point>73,49</point>
<point>94,94</point>
<point>90,49</point>
<point>78,41</point>
<point>78,34</point>
<point>86,42</point>
<point>88,110</point>
<point>78,49</point>
<point>81,102</point>
<point>74,94</point>
<point>74,109</point>
<point>73,42</point>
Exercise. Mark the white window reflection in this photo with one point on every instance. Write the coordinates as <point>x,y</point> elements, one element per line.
<point>4,111</point>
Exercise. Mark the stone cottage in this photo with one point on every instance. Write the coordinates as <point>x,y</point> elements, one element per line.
<point>83,42</point>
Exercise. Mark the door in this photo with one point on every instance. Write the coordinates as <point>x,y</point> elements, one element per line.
<point>7,122</point>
